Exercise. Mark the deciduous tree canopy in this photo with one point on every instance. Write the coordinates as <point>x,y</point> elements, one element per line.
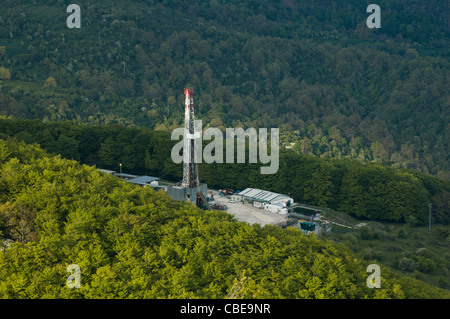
<point>133,242</point>
<point>374,94</point>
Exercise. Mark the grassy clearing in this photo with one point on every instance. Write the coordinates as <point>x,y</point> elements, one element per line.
<point>14,46</point>
<point>37,88</point>
<point>407,250</point>
<point>22,85</point>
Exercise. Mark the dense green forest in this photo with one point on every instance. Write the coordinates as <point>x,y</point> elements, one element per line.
<point>367,191</point>
<point>133,242</point>
<point>312,68</point>
<point>365,113</point>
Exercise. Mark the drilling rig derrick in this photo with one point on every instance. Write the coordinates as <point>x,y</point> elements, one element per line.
<point>190,163</point>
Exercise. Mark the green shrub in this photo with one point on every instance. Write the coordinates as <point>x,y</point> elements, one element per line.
<point>406,264</point>
<point>366,233</point>
<point>443,282</point>
<point>424,252</point>
<point>419,275</point>
<point>351,238</point>
<point>367,253</point>
<point>378,255</point>
<point>402,233</point>
<point>444,232</point>
<point>426,265</point>
<point>406,254</point>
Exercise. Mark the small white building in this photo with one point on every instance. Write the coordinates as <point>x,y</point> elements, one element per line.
<point>144,180</point>
<point>236,197</point>
<point>258,204</point>
<point>107,171</point>
<point>276,208</point>
<point>253,194</point>
<point>270,201</point>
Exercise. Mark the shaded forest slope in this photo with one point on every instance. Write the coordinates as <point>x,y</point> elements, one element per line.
<point>313,68</point>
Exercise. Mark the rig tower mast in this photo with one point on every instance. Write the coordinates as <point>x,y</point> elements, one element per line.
<point>190,189</point>
<point>190,163</point>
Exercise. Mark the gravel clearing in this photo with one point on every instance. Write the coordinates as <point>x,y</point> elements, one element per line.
<point>248,213</point>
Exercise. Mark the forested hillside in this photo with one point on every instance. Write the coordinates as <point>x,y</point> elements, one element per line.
<point>313,68</point>
<point>133,242</point>
<point>365,112</point>
<point>368,191</point>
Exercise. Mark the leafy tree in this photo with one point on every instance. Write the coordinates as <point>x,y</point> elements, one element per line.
<point>50,83</point>
<point>5,74</point>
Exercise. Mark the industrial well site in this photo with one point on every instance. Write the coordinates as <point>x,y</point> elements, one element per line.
<point>253,206</point>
